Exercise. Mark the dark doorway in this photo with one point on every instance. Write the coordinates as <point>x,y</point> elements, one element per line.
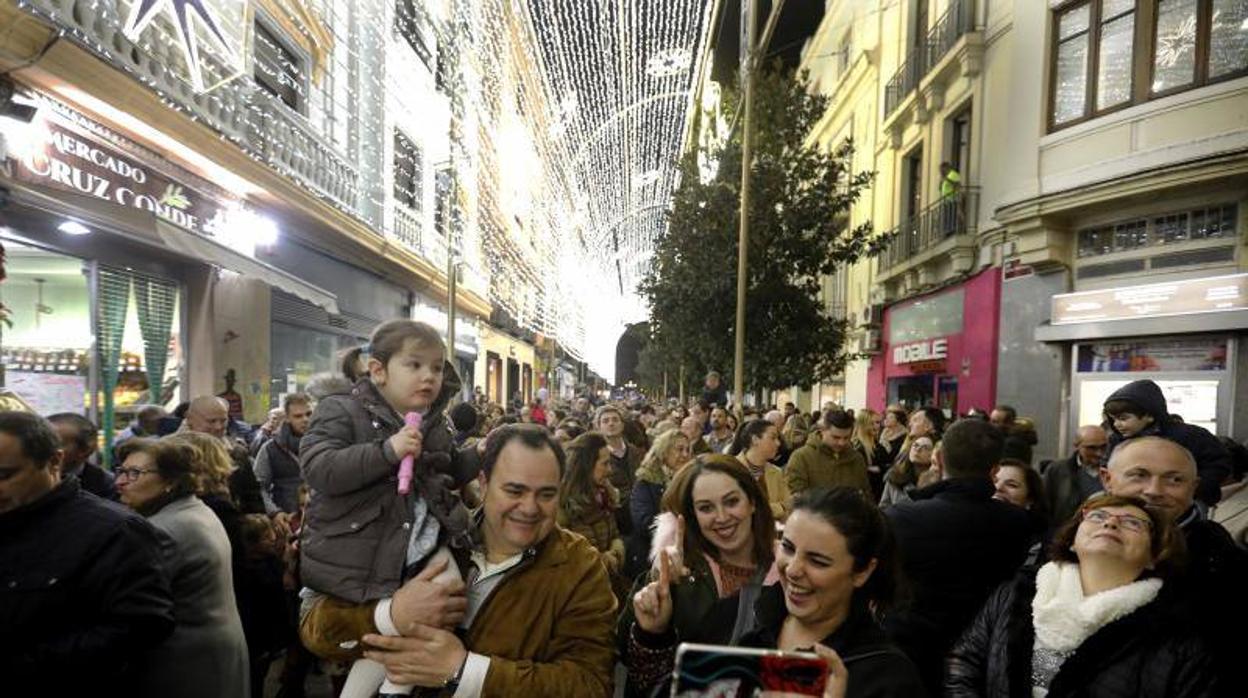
<point>494,378</point>
<point>513,381</point>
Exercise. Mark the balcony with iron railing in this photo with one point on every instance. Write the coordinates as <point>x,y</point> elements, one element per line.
<point>957,22</point>
<point>952,218</point>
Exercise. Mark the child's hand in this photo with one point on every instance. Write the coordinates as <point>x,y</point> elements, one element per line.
<point>407,442</point>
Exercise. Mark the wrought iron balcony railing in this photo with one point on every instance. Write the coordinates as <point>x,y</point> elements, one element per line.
<point>951,216</point>
<point>957,21</point>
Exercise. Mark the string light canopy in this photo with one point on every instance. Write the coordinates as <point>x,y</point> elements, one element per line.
<point>566,124</point>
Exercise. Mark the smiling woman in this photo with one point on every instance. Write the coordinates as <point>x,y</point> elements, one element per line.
<point>713,549</point>
<point>1093,621</point>
<point>838,571</point>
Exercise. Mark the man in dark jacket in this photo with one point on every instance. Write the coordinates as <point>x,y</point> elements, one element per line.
<point>82,590</point>
<point>1163,474</point>
<point>714,393</point>
<point>78,443</point>
<point>957,544</point>
<point>277,461</point>
<point>1068,482</point>
<point>1139,409</point>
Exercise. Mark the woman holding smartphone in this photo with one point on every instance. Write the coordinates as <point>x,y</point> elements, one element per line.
<point>838,570</point>
<point>715,544</point>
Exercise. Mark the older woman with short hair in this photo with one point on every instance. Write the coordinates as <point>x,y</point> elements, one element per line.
<point>1092,621</point>
<point>206,657</point>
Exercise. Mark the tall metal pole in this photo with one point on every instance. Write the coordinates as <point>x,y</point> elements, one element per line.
<point>747,158</point>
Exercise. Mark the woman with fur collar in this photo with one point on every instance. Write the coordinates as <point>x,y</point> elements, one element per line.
<point>713,550</point>
<point>1089,623</point>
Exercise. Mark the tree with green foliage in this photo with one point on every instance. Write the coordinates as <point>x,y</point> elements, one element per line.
<point>799,234</point>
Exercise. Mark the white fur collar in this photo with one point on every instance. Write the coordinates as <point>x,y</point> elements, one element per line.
<point>1063,617</point>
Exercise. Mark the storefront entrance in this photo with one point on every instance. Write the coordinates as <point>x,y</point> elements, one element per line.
<point>913,392</point>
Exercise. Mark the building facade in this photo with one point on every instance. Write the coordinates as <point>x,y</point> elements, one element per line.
<point>1099,149</point>
<point>244,202</point>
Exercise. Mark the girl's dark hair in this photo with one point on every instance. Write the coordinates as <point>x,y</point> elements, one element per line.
<point>678,499</point>
<point>899,415</point>
<point>1166,544</point>
<point>751,430</point>
<point>578,478</point>
<point>173,462</point>
<point>868,537</point>
<point>388,340</point>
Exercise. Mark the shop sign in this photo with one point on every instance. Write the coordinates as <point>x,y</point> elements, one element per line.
<point>916,352</point>
<point>1213,294</point>
<point>1186,355</point>
<point>65,159</point>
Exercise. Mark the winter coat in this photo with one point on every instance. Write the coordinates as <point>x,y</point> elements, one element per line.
<point>546,627</point>
<point>623,475</point>
<point>816,465</point>
<point>1213,461</point>
<point>877,465</point>
<point>1148,653</point>
<point>644,506</point>
<point>94,479</point>
<point>83,595</point>
<point>277,471</point>
<point>957,544</point>
<point>206,657</point>
<point>877,668</point>
<point>357,527</point>
<point>1210,591</point>
<point>244,487</point>
<point>597,524</point>
<point>1066,487</point>
<point>699,614</point>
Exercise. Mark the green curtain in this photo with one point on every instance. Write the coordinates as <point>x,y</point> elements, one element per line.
<point>114,298</point>
<point>155,301</point>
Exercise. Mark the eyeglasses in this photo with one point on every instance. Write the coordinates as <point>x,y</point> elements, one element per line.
<point>1131,523</point>
<point>132,473</point>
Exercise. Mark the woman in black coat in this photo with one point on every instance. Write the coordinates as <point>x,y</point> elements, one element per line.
<point>837,566</point>
<point>1076,628</point>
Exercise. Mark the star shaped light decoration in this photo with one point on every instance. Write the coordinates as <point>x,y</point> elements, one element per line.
<point>143,12</point>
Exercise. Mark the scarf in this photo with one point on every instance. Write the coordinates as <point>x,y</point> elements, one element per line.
<point>1064,618</point>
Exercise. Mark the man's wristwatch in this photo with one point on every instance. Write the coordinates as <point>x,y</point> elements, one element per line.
<point>452,681</point>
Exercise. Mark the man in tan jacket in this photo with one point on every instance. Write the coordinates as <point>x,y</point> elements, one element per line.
<point>829,462</point>
<point>539,607</point>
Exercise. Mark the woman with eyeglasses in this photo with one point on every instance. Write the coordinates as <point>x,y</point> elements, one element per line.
<point>206,657</point>
<point>903,477</point>
<point>1091,622</point>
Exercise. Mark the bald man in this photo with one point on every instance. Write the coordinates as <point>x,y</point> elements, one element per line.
<point>1070,481</point>
<point>209,414</point>
<point>1211,591</point>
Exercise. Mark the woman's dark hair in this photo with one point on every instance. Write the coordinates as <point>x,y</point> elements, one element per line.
<point>899,415</point>
<point>678,499</point>
<point>578,479</point>
<point>868,537</point>
<point>746,435</point>
<point>172,461</point>
<point>1165,542</point>
<point>1035,487</point>
<point>387,340</point>
<point>255,528</point>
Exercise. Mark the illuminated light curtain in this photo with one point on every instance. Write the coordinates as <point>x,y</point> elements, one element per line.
<point>114,299</point>
<point>155,301</point>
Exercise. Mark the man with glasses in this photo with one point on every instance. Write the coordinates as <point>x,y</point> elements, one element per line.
<point>1069,482</point>
<point>82,590</point>
<point>1163,474</point>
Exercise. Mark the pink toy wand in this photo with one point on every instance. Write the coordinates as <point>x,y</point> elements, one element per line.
<point>411,419</point>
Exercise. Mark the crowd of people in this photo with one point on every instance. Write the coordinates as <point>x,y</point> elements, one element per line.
<point>380,534</point>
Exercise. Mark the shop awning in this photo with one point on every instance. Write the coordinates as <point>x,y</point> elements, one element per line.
<point>199,247</point>
<point>145,228</point>
<point>1224,321</point>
